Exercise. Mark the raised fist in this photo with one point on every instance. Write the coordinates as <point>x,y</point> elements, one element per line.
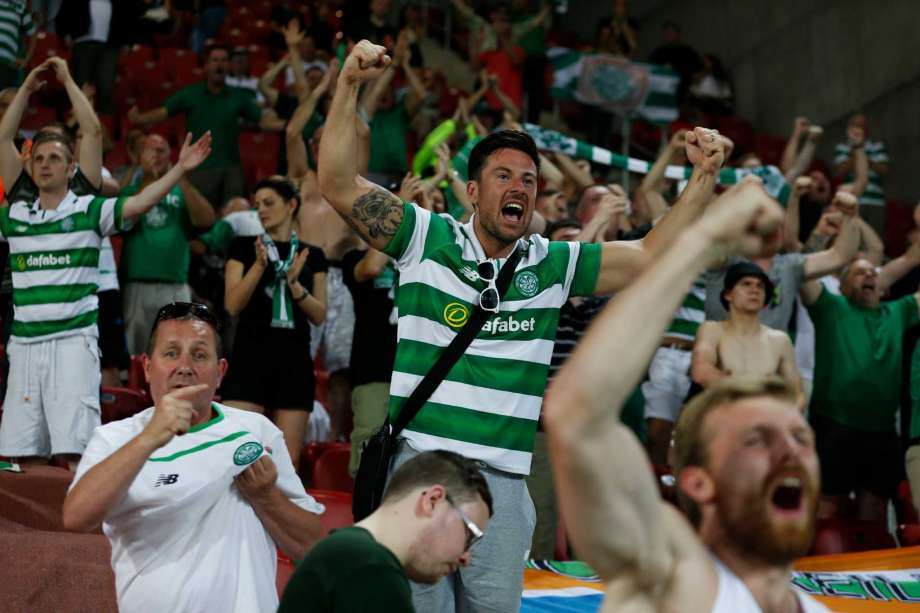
<point>365,62</point>
<point>801,124</point>
<point>705,149</point>
<point>845,202</point>
<point>802,185</point>
<point>742,218</point>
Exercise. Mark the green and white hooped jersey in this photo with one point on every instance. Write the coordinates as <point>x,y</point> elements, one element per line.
<point>183,537</point>
<point>690,314</point>
<point>488,405</point>
<point>54,259</point>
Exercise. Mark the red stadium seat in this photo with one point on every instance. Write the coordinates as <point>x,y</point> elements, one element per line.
<point>176,59</point>
<point>121,402</point>
<point>135,57</point>
<point>331,471</point>
<point>311,453</point>
<point>136,380</point>
<point>47,44</point>
<point>836,535</point>
<point>338,509</point>
<point>37,117</point>
<point>261,159</point>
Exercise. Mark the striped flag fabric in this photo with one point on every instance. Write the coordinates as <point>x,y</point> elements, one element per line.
<point>658,104</point>
<point>550,140</point>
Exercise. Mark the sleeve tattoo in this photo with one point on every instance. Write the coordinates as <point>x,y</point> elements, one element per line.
<point>376,214</point>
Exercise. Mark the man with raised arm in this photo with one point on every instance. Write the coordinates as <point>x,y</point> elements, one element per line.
<point>745,462</point>
<point>488,405</point>
<point>52,400</point>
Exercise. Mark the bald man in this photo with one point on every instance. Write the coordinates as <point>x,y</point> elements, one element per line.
<point>155,257</point>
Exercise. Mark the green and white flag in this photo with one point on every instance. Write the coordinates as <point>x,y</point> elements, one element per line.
<point>602,80</point>
<point>550,140</point>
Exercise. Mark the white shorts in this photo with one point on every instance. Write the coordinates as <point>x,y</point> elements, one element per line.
<point>668,383</point>
<point>336,331</point>
<point>52,399</point>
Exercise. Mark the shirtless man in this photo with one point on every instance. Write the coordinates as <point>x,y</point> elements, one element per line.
<point>745,460</point>
<point>319,224</point>
<point>741,345</point>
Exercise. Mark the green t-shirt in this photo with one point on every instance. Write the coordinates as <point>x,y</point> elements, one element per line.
<point>858,360</point>
<point>348,572</point>
<point>915,394</point>
<point>219,113</point>
<point>389,154</point>
<point>156,249</point>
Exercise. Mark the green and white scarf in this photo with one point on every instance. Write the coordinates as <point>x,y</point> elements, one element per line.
<point>282,313</point>
<point>550,140</point>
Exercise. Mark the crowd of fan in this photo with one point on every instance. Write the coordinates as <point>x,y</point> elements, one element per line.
<point>822,306</point>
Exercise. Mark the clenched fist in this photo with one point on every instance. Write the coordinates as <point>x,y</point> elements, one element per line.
<point>705,149</point>
<point>742,218</point>
<point>173,414</point>
<point>365,62</point>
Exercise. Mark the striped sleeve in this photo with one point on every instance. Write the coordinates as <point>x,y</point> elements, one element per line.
<point>841,154</point>
<point>27,24</point>
<point>587,268</point>
<point>879,155</point>
<point>407,245</point>
<point>111,216</point>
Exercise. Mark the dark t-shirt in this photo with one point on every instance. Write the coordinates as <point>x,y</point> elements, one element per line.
<point>373,350</point>
<point>348,572</point>
<point>257,314</point>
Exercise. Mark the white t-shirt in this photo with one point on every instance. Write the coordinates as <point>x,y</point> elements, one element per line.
<point>108,275</point>
<point>100,12</point>
<point>735,597</point>
<point>183,537</point>
<point>805,331</point>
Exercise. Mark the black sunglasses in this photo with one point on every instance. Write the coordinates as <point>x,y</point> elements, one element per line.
<point>178,310</point>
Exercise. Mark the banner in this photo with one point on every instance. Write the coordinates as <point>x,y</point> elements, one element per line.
<point>550,140</point>
<point>606,81</point>
<point>878,581</point>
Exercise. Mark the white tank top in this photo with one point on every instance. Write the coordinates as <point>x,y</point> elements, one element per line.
<point>735,597</point>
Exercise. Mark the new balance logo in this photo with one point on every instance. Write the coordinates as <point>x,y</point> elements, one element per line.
<point>166,480</point>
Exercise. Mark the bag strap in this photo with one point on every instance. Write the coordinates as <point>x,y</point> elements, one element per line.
<point>455,349</point>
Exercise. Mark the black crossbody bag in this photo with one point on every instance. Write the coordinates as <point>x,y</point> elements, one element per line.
<point>379,449</point>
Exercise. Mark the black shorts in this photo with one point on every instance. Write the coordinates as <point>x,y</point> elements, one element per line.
<point>270,369</point>
<point>853,460</point>
<point>112,342</point>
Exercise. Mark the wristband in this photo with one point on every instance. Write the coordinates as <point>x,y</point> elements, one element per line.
<point>303,297</point>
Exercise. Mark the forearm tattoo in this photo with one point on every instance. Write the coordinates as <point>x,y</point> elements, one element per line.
<point>376,214</point>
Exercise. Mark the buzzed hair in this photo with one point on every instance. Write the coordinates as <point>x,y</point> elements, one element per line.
<point>459,475</point>
<point>691,446</point>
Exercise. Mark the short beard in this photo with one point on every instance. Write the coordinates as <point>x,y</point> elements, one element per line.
<point>749,531</point>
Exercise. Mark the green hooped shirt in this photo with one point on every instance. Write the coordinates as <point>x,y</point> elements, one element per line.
<point>488,405</point>
<point>858,360</point>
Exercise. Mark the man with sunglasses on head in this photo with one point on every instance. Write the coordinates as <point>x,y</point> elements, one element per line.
<point>189,489</point>
<point>488,405</point>
<point>435,509</point>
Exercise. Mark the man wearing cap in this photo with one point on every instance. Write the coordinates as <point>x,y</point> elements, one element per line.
<point>741,345</point>
<point>787,271</point>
